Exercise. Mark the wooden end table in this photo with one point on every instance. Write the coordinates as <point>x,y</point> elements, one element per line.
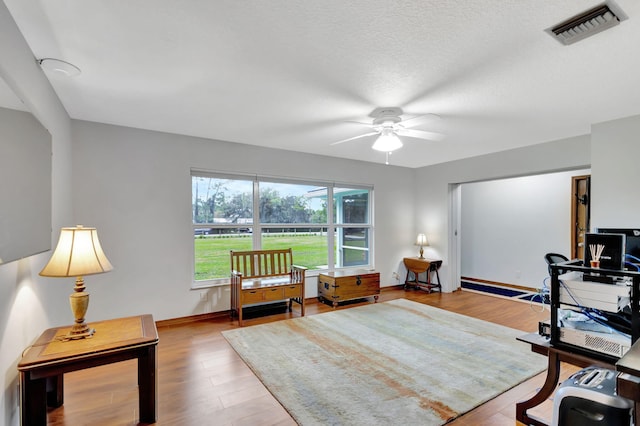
<point>416,266</point>
<point>44,363</point>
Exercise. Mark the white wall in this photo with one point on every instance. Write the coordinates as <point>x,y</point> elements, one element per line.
<point>28,303</point>
<point>135,187</point>
<point>432,184</point>
<point>615,149</point>
<point>509,224</point>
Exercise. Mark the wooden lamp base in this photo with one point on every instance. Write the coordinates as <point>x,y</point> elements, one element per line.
<point>79,301</point>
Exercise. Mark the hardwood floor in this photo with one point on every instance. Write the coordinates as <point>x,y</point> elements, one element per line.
<point>201,380</point>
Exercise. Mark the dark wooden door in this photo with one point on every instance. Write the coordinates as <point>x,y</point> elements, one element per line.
<point>580,203</point>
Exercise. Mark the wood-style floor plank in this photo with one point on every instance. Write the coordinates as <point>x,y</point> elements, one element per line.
<point>202,381</point>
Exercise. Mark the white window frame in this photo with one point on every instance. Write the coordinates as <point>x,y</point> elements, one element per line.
<point>332,227</point>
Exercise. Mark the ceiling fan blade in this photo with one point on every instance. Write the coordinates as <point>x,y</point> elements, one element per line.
<point>362,123</point>
<point>354,138</point>
<point>421,134</point>
<point>420,119</point>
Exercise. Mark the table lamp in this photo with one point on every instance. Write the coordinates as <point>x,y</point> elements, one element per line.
<point>78,253</point>
<point>421,240</point>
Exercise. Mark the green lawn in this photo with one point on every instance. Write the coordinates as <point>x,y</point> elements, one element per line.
<point>212,252</point>
<point>309,250</point>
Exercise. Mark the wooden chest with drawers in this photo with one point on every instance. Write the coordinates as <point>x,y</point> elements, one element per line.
<point>338,286</point>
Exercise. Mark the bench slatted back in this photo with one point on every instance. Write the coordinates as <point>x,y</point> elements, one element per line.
<point>261,263</point>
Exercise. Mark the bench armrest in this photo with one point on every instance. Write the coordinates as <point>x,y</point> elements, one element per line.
<point>297,273</point>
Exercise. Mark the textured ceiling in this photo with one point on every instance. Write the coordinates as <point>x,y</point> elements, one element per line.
<point>289,74</point>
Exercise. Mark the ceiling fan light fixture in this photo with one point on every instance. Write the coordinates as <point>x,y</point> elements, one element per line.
<point>387,142</point>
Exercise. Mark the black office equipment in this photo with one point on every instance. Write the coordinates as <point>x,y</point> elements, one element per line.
<point>588,398</point>
<point>612,256</point>
<point>632,245</point>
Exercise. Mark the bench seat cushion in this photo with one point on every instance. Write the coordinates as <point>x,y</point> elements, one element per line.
<point>261,282</point>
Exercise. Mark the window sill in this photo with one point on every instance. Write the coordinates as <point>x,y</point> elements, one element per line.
<point>208,284</point>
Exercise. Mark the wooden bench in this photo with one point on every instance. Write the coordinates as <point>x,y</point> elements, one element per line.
<point>264,276</point>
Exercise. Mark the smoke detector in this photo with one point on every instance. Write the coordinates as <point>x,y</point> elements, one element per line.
<point>59,67</point>
<point>587,23</point>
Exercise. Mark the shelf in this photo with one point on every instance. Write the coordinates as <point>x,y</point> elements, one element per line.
<point>576,294</point>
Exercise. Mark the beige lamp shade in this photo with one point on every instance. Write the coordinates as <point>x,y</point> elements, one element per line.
<point>78,253</point>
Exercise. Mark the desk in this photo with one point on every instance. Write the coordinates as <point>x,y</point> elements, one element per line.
<point>44,363</point>
<point>628,385</point>
<point>417,266</point>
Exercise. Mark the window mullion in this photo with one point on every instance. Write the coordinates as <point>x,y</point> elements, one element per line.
<point>257,226</point>
<point>331,230</point>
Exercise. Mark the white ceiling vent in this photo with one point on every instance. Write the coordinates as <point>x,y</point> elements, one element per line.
<point>588,23</point>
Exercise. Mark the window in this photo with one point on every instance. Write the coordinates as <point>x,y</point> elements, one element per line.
<point>352,208</point>
<point>249,213</point>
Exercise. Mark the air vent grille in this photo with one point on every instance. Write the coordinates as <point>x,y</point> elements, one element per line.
<point>587,23</point>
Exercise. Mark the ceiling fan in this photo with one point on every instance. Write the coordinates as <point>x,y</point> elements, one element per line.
<point>387,123</point>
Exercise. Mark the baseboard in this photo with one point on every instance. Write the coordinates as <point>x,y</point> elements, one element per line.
<point>220,314</point>
<point>192,318</point>
<point>392,287</point>
<point>481,281</point>
<point>515,293</point>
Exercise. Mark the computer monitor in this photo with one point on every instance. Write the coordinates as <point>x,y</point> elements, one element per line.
<point>612,256</point>
<point>632,244</point>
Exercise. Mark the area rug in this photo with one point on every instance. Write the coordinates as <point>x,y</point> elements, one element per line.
<point>397,362</point>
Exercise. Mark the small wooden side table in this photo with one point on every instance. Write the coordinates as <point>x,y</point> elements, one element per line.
<point>44,363</point>
<point>416,266</point>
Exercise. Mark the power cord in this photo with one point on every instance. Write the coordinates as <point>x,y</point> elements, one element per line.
<point>543,296</point>
<point>635,265</point>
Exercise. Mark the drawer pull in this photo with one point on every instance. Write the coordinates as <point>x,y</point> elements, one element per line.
<point>326,286</point>
<point>358,280</point>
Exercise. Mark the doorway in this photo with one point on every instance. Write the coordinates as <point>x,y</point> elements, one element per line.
<point>580,213</point>
<point>516,220</point>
